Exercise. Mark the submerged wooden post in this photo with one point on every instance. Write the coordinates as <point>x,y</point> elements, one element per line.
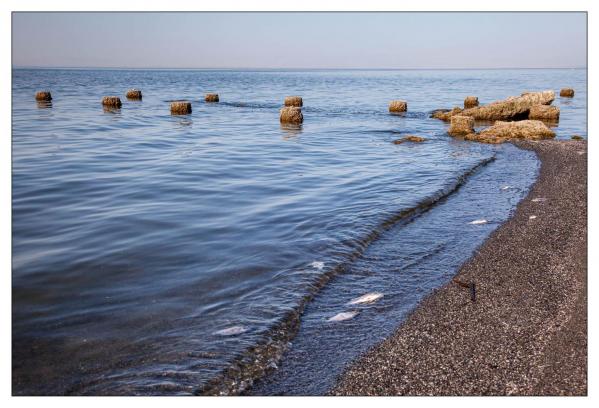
<point>44,96</point>
<point>112,101</point>
<point>398,106</point>
<point>294,101</point>
<point>134,94</point>
<point>567,92</point>
<point>291,114</point>
<point>180,108</point>
<point>470,102</point>
<point>211,97</point>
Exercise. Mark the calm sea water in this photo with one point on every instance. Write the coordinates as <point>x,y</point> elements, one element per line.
<point>138,236</point>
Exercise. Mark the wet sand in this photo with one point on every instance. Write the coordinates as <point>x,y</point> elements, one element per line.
<point>526,331</point>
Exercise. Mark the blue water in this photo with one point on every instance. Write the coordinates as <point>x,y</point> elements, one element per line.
<point>138,235</point>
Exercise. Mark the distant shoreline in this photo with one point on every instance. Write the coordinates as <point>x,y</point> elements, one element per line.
<point>526,332</point>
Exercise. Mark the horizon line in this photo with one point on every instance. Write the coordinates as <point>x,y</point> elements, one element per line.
<point>281,68</point>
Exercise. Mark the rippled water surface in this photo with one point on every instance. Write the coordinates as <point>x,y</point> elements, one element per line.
<point>159,254</point>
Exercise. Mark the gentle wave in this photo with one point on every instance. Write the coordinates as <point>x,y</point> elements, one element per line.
<point>256,361</point>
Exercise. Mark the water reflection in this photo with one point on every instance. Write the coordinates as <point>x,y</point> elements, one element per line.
<point>550,123</point>
<point>182,120</point>
<point>290,130</point>
<point>565,101</point>
<point>44,104</point>
<point>111,109</point>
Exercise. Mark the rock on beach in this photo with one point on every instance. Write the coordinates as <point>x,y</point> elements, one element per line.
<point>503,131</point>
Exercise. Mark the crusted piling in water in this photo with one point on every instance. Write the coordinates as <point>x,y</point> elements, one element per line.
<point>567,92</point>
<point>211,97</point>
<point>180,107</point>
<point>134,94</point>
<point>293,101</point>
<point>398,106</point>
<point>43,96</point>
<point>291,114</point>
<point>470,102</point>
<point>544,112</point>
<point>461,125</point>
<point>112,101</point>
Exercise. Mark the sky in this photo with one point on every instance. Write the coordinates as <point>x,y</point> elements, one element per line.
<point>299,40</point>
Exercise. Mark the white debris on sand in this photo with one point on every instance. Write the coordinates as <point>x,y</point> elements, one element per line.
<point>532,217</point>
<point>539,200</point>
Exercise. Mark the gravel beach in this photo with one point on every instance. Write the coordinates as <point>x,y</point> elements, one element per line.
<point>526,331</point>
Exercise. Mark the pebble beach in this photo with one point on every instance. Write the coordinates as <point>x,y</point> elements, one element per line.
<point>526,331</point>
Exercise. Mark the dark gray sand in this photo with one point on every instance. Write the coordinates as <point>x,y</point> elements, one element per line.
<point>526,333</point>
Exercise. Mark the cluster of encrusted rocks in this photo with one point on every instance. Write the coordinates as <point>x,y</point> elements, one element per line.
<point>517,117</point>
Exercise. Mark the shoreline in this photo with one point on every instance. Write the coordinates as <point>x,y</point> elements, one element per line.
<point>526,333</point>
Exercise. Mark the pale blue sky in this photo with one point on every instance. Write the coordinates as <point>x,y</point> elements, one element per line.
<point>300,40</point>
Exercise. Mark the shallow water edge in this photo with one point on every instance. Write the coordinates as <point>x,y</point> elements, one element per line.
<point>319,354</point>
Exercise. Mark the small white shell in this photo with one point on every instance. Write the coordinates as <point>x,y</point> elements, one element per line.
<point>367,298</point>
<point>532,217</point>
<point>339,317</point>
<point>231,331</point>
<point>538,199</point>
